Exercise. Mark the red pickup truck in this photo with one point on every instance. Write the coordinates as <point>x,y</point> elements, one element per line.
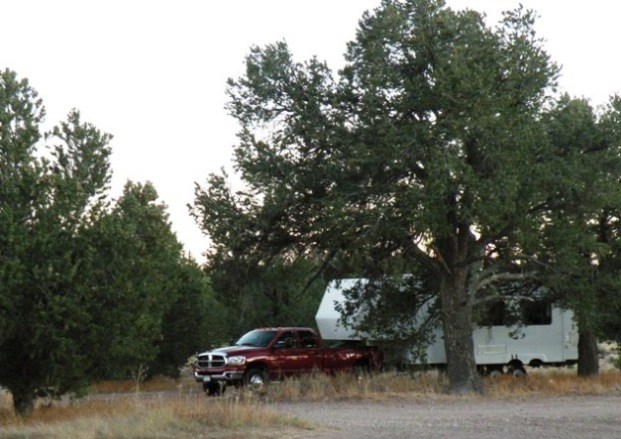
<point>274,353</point>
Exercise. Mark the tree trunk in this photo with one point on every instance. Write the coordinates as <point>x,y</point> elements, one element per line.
<point>23,402</point>
<point>588,355</point>
<point>458,343</point>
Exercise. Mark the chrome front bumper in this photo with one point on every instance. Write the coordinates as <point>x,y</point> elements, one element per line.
<point>224,376</point>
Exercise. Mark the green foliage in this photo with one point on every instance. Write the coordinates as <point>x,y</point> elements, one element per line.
<point>607,228</point>
<point>87,290</point>
<point>46,200</point>
<point>431,114</point>
<point>147,301</point>
<point>193,321</point>
<point>132,252</point>
<point>580,237</point>
<point>258,295</point>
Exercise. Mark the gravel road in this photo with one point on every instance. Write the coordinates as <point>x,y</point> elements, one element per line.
<point>583,417</point>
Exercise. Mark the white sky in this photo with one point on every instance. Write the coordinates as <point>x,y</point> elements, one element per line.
<point>153,73</point>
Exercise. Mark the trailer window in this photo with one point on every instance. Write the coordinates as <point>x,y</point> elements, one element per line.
<point>529,313</point>
<point>536,313</point>
<point>492,314</point>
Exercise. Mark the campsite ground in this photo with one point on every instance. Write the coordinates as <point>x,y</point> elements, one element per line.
<point>546,403</point>
<point>569,417</point>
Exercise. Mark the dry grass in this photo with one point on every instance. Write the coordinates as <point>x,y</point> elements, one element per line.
<point>543,382</point>
<point>165,408</point>
<point>152,385</point>
<point>555,383</point>
<point>157,415</point>
<point>346,386</point>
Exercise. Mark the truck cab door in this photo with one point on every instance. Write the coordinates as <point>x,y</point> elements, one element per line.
<point>285,355</point>
<point>311,353</point>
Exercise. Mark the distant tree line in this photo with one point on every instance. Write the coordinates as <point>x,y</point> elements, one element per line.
<point>90,289</point>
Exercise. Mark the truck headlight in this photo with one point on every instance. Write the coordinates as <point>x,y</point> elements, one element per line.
<point>236,361</point>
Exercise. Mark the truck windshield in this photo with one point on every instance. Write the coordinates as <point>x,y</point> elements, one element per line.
<point>257,338</point>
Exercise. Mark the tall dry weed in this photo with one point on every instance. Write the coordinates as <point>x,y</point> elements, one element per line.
<point>158,416</point>
<point>347,386</point>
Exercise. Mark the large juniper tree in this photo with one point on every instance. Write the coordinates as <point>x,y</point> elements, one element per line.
<point>428,151</point>
<point>579,240</point>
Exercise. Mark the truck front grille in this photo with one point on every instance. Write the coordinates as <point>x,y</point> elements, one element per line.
<point>211,360</point>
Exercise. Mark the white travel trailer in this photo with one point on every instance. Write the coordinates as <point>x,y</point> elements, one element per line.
<point>548,336</point>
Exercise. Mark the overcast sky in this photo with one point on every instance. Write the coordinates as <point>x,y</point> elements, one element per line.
<point>152,73</point>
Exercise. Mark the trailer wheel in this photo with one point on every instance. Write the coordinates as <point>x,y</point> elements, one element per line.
<point>495,372</point>
<point>517,371</point>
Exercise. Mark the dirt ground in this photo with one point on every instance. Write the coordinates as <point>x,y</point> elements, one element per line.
<point>463,418</point>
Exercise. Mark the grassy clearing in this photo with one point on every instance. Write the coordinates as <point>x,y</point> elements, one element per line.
<point>165,408</point>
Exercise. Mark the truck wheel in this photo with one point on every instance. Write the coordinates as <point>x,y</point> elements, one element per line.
<point>361,370</point>
<point>213,389</point>
<point>255,378</point>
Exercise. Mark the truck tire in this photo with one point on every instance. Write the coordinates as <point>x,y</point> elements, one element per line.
<point>361,369</point>
<point>255,378</point>
<point>213,389</point>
